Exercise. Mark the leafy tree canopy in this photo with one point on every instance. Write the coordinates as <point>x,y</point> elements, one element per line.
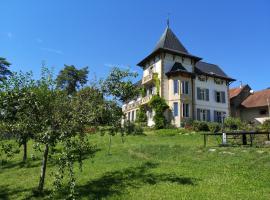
<point>4,71</point>
<point>70,78</point>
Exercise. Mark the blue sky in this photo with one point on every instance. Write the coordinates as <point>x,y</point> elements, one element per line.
<point>101,34</point>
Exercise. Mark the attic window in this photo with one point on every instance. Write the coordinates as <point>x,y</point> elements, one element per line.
<point>218,81</point>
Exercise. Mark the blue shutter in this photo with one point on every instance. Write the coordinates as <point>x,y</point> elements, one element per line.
<point>175,109</point>
<point>199,94</point>
<point>198,114</point>
<point>208,115</point>
<point>223,100</point>
<point>186,87</point>
<point>175,86</point>
<point>215,116</point>
<point>207,94</point>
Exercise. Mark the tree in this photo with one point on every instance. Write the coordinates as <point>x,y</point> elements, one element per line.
<point>18,108</point>
<point>119,85</point>
<point>4,71</point>
<point>62,120</point>
<point>70,78</point>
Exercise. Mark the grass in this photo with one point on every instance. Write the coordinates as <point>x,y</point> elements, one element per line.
<point>161,165</point>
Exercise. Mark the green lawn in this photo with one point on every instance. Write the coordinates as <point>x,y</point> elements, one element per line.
<point>155,166</point>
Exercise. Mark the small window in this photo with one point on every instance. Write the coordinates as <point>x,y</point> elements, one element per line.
<point>202,78</point>
<point>175,109</point>
<point>185,87</point>
<point>220,97</point>
<point>185,110</point>
<point>175,86</point>
<point>219,116</point>
<point>203,94</point>
<point>218,81</point>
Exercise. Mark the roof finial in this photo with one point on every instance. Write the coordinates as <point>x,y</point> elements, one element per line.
<point>168,20</point>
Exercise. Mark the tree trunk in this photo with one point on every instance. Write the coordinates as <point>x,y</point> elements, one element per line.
<point>110,144</point>
<point>43,169</point>
<point>24,151</point>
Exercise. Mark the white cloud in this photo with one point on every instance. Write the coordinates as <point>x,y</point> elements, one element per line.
<point>56,51</point>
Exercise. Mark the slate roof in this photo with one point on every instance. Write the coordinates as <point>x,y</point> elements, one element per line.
<point>176,68</point>
<point>169,40</point>
<point>211,70</point>
<point>169,43</point>
<point>258,99</point>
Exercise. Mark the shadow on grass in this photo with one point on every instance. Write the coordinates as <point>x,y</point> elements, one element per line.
<point>115,183</point>
<point>6,193</point>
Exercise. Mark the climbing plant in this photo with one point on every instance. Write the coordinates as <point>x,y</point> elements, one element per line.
<point>156,82</point>
<point>141,115</point>
<point>159,105</point>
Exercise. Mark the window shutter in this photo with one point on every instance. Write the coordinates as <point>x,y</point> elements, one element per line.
<point>208,116</point>
<point>198,114</point>
<point>215,94</point>
<point>199,94</point>
<point>215,116</point>
<point>186,87</point>
<point>207,94</point>
<point>223,97</point>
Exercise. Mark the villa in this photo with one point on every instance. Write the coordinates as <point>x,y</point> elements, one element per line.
<point>193,89</point>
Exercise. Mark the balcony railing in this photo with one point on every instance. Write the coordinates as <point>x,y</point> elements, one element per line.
<point>136,104</point>
<point>148,78</point>
<point>146,99</point>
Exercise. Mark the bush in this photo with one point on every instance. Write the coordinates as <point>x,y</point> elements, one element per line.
<point>200,126</point>
<point>214,127</point>
<point>187,123</point>
<point>141,115</point>
<point>266,125</point>
<point>231,123</point>
<point>131,128</point>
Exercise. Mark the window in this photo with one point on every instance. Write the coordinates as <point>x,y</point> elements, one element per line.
<point>175,109</point>
<point>263,112</point>
<point>219,116</point>
<point>185,110</point>
<point>128,116</point>
<point>220,97</point>
<point>185,87</point>
<point>175,86</point>
<point>203,94</point>
<point>132,115</point>
<point>203,115</point>
<point>218,81</point>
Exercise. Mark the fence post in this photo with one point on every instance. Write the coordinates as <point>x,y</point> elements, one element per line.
<point>224,139</point>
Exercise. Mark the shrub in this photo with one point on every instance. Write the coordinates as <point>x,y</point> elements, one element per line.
<point>214,127</point>
<point>187,123</point>
<point>266,125</point>
<point>141,115</point>
<point>200,126</point>
<point>131,128</point>
<point>231,123</point>
<point>159,105</point>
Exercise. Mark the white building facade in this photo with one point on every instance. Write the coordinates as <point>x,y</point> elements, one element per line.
<point>194,90</point>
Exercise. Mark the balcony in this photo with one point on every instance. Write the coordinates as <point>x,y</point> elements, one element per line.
<point>132,106</point>
<point>148,79</point>
<point>146,99</point>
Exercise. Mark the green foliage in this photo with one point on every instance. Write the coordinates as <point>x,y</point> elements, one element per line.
<point>266,125</point>
<point>4,71</point>
<point>159,105</point>
<point>131,128</point>
<point>157,82</point>
<point>119,85</point>
<point>232,123</point>
<point>143,91</point>
<point>8,149</point>
<point>200,126</point>
<point>70,78</point>
<point>141,116</point>
<point>214,127</point>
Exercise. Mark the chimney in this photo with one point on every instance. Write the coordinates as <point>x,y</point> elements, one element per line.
<point>241,84</point>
